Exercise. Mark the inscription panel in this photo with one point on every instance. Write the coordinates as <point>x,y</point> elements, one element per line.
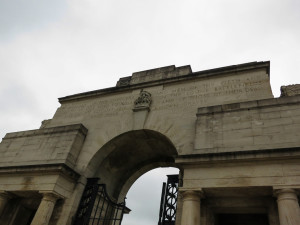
<point>104,107</point>
<point>213,92</point>
<point>185,96</point>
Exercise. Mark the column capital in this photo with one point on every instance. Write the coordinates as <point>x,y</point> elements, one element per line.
<point>50,196</point>
<point>191,205</point>
<point>44,212</point>
<point>189,193</point>
<point>288,206</point>
<point>287,191</point>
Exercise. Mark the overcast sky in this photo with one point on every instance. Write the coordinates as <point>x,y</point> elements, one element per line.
<point>50,49</point>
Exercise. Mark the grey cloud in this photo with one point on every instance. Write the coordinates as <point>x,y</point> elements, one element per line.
<point>24,99</point>
<point>19,16</point>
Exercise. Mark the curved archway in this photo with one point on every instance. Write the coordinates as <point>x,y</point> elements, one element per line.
<point>144,197</point>
<point>126,157</point>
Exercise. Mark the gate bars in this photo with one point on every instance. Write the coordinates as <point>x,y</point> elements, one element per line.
<point>96,208</point>
<point>168,204</point>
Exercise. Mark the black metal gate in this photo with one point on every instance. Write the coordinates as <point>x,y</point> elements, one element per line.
<point>96,208</point>
<point>168,203</point>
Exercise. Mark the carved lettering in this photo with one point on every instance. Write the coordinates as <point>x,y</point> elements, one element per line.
<point>187,96</point>
<point>97,108</point>
<point>210,93</point>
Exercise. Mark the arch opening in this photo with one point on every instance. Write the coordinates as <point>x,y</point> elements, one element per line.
<point>144,197</point>
<point>121,161</point>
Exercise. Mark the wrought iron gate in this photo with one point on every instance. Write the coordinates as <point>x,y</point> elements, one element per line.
<point>168,203</point>
<point>96,208</point>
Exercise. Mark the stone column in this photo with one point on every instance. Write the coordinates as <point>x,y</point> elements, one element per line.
<point>288,207</point>
<point>44,212</point>
<point>4,197</point>
<point>190,207</point>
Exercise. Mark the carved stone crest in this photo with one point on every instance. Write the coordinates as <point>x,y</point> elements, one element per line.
<point>143,101</point>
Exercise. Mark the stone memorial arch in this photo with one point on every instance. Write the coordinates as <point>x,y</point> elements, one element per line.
<point>237,148</point>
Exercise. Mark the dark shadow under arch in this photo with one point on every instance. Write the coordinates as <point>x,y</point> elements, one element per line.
<point>128,156</point>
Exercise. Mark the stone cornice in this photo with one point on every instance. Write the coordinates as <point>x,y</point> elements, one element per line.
<point>61,169</point>
<point>257,104</point>
<point>45,131</point>
<point>260,154</point>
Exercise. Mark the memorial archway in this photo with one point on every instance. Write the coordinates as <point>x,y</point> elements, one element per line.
<point>117,165</point>
<point>130,155</point>
<point>236,144</point>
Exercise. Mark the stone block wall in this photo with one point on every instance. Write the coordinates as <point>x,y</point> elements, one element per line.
<point>253,125</point>
<point>43,146</point>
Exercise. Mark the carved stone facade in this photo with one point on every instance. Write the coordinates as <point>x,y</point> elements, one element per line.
<point>237,148</point>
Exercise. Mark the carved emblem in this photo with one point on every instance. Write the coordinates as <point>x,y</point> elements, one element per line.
<point>143,101</point>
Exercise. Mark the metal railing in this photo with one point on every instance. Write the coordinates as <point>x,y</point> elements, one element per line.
<point>97,208</point>
<point>168,204</point>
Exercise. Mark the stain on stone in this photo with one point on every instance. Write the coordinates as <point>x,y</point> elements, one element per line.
<point>27,181</point>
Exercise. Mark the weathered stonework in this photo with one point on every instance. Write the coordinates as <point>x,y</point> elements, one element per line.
<point>143,101</point>
<point>237,147</point>
<point>155,75</point>
<point>290,90</point>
